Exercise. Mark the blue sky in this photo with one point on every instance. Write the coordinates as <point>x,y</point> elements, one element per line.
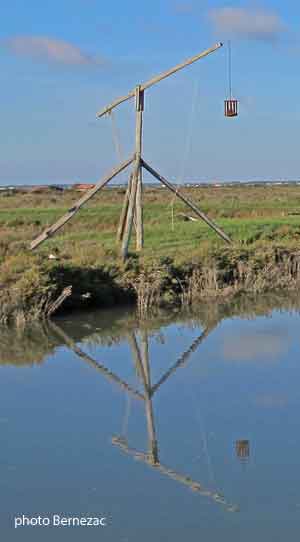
<point>62,61</point>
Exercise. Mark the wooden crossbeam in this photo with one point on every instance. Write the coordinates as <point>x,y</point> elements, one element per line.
<point>187,201</point>
<point>93,363</point>
<point>86,197</point>
<point>159,78</point>
<point>194,485</point>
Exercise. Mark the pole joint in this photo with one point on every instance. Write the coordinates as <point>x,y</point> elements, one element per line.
<point>139,98</point>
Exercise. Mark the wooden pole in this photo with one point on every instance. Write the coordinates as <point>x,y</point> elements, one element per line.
<point>129,218</point>
<point>159,78</point>
<point>58,331</point>
<point>135,201</point>
<point>177,476</point>
<point>71,212</point>
<point>143,366</point>
<point>123,216</point>
<point>183,358</point>
<point>138,168</point>
<point>188,202</point>
<point>153,446</point>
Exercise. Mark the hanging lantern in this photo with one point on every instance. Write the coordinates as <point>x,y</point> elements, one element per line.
<point>231,105</point>
<point>231,108</point>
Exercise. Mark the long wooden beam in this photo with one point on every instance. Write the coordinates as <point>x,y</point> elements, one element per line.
<point>93,363</point>
<point>159,78</point>
<point>48,232</point>
<point>187,201</point>
<point>181,478</point>
<point>180,66</point>
<point>183,358</point>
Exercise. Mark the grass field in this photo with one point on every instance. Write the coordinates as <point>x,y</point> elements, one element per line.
<point>249,215</point>
<point>263,223</point>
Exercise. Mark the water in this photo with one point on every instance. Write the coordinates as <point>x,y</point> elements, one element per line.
<point>211,451</point>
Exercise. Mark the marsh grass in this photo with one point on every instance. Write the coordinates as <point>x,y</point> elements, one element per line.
<point>177,266</point>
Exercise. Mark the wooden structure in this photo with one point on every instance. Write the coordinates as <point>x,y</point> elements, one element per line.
<point>132,211</point>
<point>140,357</point>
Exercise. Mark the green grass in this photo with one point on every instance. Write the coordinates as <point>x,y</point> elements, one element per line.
<point>178,264</point>
<point>248,215</point>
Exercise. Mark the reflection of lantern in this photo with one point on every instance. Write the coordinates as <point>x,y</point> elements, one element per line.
<point>242,449</point>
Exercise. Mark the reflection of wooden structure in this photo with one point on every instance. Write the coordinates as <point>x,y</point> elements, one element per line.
<point>133,204</point>
<point>142,363</point>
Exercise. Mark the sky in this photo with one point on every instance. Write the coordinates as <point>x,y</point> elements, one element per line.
<point>62,61</point>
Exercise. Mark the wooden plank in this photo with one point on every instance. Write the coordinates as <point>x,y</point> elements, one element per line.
<point>71,212</point>
<point>188,202</point>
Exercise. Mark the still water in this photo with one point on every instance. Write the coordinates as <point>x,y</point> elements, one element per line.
<point>183,427</point>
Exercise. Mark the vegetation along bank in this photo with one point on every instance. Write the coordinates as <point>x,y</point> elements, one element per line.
<point>183,262</point>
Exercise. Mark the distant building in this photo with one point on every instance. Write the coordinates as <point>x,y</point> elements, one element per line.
<point>82,187</point>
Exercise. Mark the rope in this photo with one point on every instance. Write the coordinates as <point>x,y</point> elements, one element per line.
<point>205,443</point>
<point>124,430</point>
<point>188,146</point>
<point>116,137</point>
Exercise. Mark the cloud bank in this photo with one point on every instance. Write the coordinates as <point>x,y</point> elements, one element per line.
<point>256,24</point>
<point>44,48</point>
<point>255,346</point>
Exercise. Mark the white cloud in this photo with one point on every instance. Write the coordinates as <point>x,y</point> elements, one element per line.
<point>257,24</point>
<point>183,8</point>
<point>256,346</point>
<point>45,48</point>
<point>271,401</point>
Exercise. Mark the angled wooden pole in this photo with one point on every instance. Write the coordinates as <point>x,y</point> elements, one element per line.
<point>183,479</point>
<point>188,202</point>
<point>58,331</point>
<point>183,358</point>
<point>71,212</point>
<point>159,78</point>
<point>129,218</point>
<point>123,216</point>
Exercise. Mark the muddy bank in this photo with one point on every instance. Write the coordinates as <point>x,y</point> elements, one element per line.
<point>28,289</point>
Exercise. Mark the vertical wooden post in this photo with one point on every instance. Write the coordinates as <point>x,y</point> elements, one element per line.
<point>139,97</point>
<point>153,447</point>
<point>135,201</point>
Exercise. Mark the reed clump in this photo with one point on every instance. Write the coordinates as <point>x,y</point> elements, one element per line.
<point>29,285</point>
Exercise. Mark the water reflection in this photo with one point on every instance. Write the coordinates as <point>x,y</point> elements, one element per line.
<point>103,333</point>
<point>141,361</point>
<point>243,449</point>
